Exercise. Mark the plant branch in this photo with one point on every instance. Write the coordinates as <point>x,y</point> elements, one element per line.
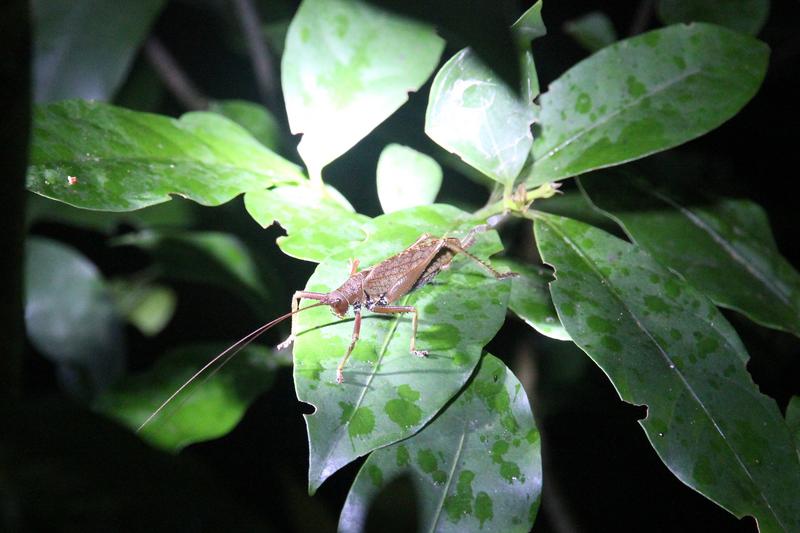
<point>260,57</point>
<point>173,76</point>
<point>15,108</point>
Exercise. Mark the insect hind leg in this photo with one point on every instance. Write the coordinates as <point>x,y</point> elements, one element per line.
<point>458,247</point>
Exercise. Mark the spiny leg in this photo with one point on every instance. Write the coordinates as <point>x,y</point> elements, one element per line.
<point>392,309</point>
<point>353,340</point>
<point>298,295</point>
<point>456,246</point>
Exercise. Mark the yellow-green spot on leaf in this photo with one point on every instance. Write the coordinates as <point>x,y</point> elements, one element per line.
<point>508,470</point>
<point>362,423</point>
<point>403,457</point>
<point>656,304</point>
<point>583,104</point>
<point>635,87</point>
<point>611,343</point>
<point>428,463</point>
<point>375,474</point>
<point>460,504</point>
<point>707,345</point>
<point>431,309</point>
<point>600,324</point>
<point>347,411</point>
<point>407,393</point>
<point>533,436</point>
<point>483,508</point>
<point>403,412</point>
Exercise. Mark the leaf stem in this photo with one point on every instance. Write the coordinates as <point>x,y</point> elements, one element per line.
<point>260,57</point>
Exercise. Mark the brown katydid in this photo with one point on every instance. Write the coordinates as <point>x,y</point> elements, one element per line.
<point>375,288</point>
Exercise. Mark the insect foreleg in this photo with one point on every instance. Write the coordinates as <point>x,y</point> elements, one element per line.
<point>298,295</point>
<point>392,309</point>
<point>353,340</point>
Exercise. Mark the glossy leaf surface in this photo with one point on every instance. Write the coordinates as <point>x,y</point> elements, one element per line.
<point>347,66</point>
<point>253,117</point>
<point>747,16</point>
<point>317,223</point>
<point>122,160</point>
<point>477,466</point>
<point>530,298</point>
<point>205,410</point>
<point>406,178</point>
<point>722,246</point>
<point>77,57</point>
<point>389,394</point>
<point>643,95</point>
<point>664,345</point>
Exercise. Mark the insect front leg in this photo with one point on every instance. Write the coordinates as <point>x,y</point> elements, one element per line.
<point>353,341</point>
<point>299,295</point>
<point>393,309</point>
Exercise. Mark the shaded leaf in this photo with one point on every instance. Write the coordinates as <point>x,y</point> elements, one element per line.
<point>477,464</point>
<point>664,345</point>
<point>747,16</point>
<point>592,31</point>
<point>253,117</point>
<point>77,57</point>
<point>406,178</point>
<point>205,410</point>
<point>388,394</point>
<point>529,26</point>
<point>70,317</point>
<point>149,307</point>
<point>123,160</point>
<point>530,298</point>
<point>206,257</point>
<point>317,223</point>
<point>793,420</point>
<point>722,246</point>
<point>347,66</point>
<point>643,95</point>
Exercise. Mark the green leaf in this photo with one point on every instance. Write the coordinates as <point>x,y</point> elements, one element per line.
<point>643,95</point>
<point>747,16</point>
<point>70,317</point>
<point>316,222</point>
<point>204,410</point>
<point>722,246</point>
<point>255,118</point>
<point>123,160</point>
<point>664,345</point>
<point>477,117</point>
<point>406,178</point>
<point>530,298</point>
<point>205,257</point>
<point>348,66</point>
<point>76,56</point>
<point>592,31</point>
<point>147,306</point>
<point>477,464</point>
<point>793,420</point>
<point>529,26</point>
<point>388,394</point>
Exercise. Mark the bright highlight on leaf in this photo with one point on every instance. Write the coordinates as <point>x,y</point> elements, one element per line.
<point>664,345</point>
<point>348,66</point>
<point>126,160</point>
<point>406,178</point>
<point>475,467</point>
<point>643,95</point>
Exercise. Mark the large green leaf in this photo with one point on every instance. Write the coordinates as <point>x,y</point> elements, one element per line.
<point>207,257</point>
<point>204,410</point>
<point>406,178</point>
<point>317,222</point>
<point>123,160</point>
<point>348,66</point>
<point>388,394</point>
<point>724,247</point>
<point>70,317</point>
<point>664,345</point>
<point>478,117</point>
<point>793,420</point>
<point>477,464</point>
<point>76,55</point>
<point>643,95</point>
<point>530,298</point>
<point>747,16</point>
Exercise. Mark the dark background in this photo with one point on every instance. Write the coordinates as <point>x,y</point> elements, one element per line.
<point>64,468</point>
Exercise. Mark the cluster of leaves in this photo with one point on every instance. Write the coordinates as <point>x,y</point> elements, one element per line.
<point>458,422</point>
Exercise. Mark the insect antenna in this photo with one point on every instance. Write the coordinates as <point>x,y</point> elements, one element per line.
<point>230,351</point>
